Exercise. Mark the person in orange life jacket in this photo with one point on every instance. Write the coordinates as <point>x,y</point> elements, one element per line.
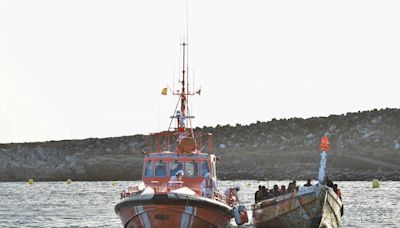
<point>231,194</point>
<point>208,186</point>
<point>178,177</point>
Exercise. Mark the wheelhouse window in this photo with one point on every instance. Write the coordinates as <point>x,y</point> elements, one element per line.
<point>160,169</point>
<point>192,169</point>
<point>174,166</point>
<point>149,169</point>
<point>204,168</point>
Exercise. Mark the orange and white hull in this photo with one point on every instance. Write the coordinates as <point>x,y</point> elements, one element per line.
<point>173,210</point>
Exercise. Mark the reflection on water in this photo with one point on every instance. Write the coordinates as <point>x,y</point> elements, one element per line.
<point>91,204</point>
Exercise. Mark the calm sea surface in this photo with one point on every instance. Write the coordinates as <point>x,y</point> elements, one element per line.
<point>91,204</point>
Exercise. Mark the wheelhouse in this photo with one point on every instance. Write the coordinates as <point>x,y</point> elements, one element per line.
<point>160,167</point>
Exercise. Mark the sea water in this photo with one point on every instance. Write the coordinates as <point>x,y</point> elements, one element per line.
<point>91,204</point>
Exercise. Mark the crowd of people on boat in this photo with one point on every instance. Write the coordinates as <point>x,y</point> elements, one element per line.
<point>208,188</point>
<point>264,193</point>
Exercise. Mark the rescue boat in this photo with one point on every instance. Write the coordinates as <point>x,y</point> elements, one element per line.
<point>317,205</point>
<point>162,201</point>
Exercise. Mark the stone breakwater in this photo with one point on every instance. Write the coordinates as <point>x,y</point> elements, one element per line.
<point>364,145</point>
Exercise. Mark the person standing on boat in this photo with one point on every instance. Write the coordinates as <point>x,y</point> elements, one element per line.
<point>231,195</point>
<point>276,191</point>
<point>176,181</point>
<point>328,182</point>
<point>257,195</point>
<point>208,186</point>
<point>337,191</point>
<point>308,184</point>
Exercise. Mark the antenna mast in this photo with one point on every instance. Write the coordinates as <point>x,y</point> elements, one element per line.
<point>183,116</point>
<point>183,92</point>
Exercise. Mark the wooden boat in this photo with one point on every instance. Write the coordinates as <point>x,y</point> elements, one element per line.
<point>314,206</point>
<point>160,201</point>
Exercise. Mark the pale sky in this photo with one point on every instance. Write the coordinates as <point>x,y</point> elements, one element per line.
<point>79,69</point>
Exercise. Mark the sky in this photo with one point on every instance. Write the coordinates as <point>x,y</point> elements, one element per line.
<point>89,68</point>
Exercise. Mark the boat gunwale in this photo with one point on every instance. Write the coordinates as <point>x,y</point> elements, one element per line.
<point>279,199</point>
<point>178,199</point>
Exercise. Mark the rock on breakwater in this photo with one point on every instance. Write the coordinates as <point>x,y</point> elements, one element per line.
<point>364,145</point>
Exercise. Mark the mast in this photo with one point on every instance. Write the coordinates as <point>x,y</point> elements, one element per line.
<point>183,92</point>
<point>183,116</point>
<point>186,139</point>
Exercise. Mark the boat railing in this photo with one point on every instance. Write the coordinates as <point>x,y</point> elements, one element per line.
<point>155,185</point>
<point>169,141</point>
<point>220,197</point>
<point>158,186</point>
<point>172,185</point>
<point>132,190</point>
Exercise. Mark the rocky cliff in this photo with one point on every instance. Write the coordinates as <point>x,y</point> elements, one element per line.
<point>364,145</point>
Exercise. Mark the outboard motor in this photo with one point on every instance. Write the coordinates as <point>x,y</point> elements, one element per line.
<point>240,215</point>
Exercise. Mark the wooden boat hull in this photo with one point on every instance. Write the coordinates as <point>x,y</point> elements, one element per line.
<point>317,206</point>
<point>172,210</point>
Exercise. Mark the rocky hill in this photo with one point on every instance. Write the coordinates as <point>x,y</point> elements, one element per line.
<point>364,145</point>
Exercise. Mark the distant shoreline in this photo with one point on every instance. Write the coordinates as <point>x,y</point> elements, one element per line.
<point>364,146</point>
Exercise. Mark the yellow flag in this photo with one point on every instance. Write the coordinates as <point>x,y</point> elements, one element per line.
<point>164,91</point>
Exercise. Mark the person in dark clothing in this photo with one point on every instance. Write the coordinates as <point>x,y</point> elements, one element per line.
<point>283,190</point>
<point>290,188</point>
<point>264,191</point>
<point>271,193</point>
<point>261,193</point>
<point>337,191</point>
<point>294,183</point>
<point>276,191</point>
<point>328,182</point>
<point>308,184</point>
<point>257,194</point>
